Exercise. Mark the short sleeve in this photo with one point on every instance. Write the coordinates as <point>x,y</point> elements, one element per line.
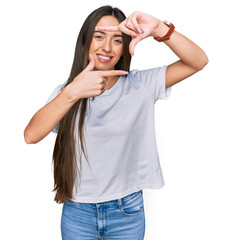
<point>154,81</point>
<point>55,92</point>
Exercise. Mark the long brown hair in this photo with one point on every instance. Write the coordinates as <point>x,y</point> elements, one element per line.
<point>65,161</point>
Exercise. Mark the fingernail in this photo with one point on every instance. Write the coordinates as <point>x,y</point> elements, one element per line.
<point>133,34</point>
<point>140,30</point>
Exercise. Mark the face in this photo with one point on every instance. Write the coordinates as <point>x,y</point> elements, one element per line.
<point>106,47</point>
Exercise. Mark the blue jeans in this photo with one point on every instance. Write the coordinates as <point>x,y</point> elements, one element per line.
<point>123,218</point>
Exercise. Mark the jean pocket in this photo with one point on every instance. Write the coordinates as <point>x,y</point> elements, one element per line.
<point>132,205</point>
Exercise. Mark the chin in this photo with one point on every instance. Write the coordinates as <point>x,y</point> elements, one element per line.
<point>104,68</point>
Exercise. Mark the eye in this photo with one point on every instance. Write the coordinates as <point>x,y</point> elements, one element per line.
<point>98,36</point>
<point>118,41</point>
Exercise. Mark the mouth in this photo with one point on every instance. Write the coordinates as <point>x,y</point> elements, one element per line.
<point>104,58</point>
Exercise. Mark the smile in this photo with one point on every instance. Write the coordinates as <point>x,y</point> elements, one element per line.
<point>104,59</point>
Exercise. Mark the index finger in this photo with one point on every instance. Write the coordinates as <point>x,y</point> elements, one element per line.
<point>109,28</point>
<point>112,73</point>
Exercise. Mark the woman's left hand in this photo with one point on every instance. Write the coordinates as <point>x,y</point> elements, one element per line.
<point>139,25</point>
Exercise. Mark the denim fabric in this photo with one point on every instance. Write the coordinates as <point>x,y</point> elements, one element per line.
<point>122,218</point>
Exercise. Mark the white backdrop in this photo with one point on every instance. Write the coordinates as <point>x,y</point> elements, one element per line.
<point>193,126</point>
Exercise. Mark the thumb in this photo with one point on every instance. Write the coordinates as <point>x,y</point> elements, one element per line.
<point>132,44</point>
<point>90,66</point>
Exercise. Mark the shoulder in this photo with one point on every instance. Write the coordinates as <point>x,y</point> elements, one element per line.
<point>149,73</point>
<point>148,70</point>
<point>133,74</point>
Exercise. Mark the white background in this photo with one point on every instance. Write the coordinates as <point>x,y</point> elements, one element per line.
<point>193,126</point>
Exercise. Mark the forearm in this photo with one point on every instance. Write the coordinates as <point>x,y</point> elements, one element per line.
<point>184,48</point>
<point>47,117</point>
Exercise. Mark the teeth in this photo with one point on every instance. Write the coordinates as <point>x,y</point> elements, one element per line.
<point>103,57</point>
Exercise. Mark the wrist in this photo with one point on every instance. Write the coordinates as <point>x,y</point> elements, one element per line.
<point>70,96</point>
<point>160,30</point>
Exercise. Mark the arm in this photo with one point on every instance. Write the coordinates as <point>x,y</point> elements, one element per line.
<point>86,84</point>
<point>140,25</point>
<point>192,57</point>
<point>48,116</point>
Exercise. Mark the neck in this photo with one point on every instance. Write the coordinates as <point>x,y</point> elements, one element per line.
<point>111,81</point>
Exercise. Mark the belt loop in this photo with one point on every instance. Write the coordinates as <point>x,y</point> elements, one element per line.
<point>120,203</point>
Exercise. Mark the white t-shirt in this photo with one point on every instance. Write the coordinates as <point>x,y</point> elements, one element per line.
<point>120,138</point>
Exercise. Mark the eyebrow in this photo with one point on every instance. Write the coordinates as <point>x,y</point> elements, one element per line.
<point>115,35</point>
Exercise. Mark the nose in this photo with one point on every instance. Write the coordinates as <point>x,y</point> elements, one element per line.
<point>106,45</point>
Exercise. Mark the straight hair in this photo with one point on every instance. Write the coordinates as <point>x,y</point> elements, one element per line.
<point>67,162</point>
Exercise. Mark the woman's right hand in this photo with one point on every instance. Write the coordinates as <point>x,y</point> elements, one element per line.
<point>90,83</point>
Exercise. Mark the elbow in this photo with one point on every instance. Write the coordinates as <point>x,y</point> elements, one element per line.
<point>204,62</point>
<point>27,138</point>
<point>200,63</point>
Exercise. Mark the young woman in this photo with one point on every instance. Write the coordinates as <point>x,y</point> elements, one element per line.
<point>105,151</point>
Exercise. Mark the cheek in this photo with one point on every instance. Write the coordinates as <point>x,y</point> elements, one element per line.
<point>93,46</point>
<point>119,51</point>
